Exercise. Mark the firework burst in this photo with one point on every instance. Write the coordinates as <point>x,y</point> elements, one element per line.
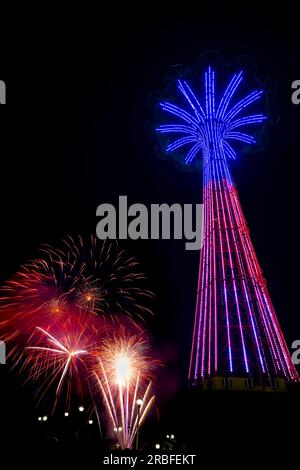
<point>108,282</point>
<point>37,295</point>
<point>59,358</point>
<point>124,378</point>
<point>96,277</point>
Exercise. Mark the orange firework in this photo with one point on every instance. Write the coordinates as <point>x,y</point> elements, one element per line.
<point>124,379</point>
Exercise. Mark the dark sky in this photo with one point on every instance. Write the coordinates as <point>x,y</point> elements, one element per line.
<point>72,137</point>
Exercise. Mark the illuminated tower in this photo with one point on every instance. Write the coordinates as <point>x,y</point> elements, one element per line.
<point>236,331</point>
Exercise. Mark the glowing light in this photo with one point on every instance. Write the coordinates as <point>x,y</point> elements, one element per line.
<point>139,402</point>
<point>123,369</point>
<point>45,418</point>
<point>157,446</point>
<point>81,409</point>
<point>66,414</point>
<point>91,421</point>
<point>39,418</point>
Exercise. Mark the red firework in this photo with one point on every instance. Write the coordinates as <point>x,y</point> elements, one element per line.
<point>61,315</point>
<point>96,277</point>
<point>59,357</point>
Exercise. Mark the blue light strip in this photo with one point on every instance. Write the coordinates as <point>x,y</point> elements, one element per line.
<point>245,121</point>
<point>189,95</point>
<point>248,139</point>
<point>171,108</point>
<point>169,128</point>
<point>179,143</point>
<point>210,94</point>
<point>229,152</point>
<point>213,94</point>
<point>206,95</point>
<point>230,90</point>
<point>192,153</point>
<point>241,105</point>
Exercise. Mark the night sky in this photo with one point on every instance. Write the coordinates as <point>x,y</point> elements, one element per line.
<point>73,137</point>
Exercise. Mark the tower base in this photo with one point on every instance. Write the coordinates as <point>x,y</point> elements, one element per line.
<point>242,384</point>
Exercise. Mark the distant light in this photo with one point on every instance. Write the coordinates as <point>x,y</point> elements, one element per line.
<point>40,418</point>
<point>168,436</point>
<point>45,418</point>
<point>115,429</point>
<point>172,436</point>
<point>66,414</point>
<point>91,421</point>
<point>139,402</point>
<point>81,408</point>
<point>119,428</point>
<point>157,446</point>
